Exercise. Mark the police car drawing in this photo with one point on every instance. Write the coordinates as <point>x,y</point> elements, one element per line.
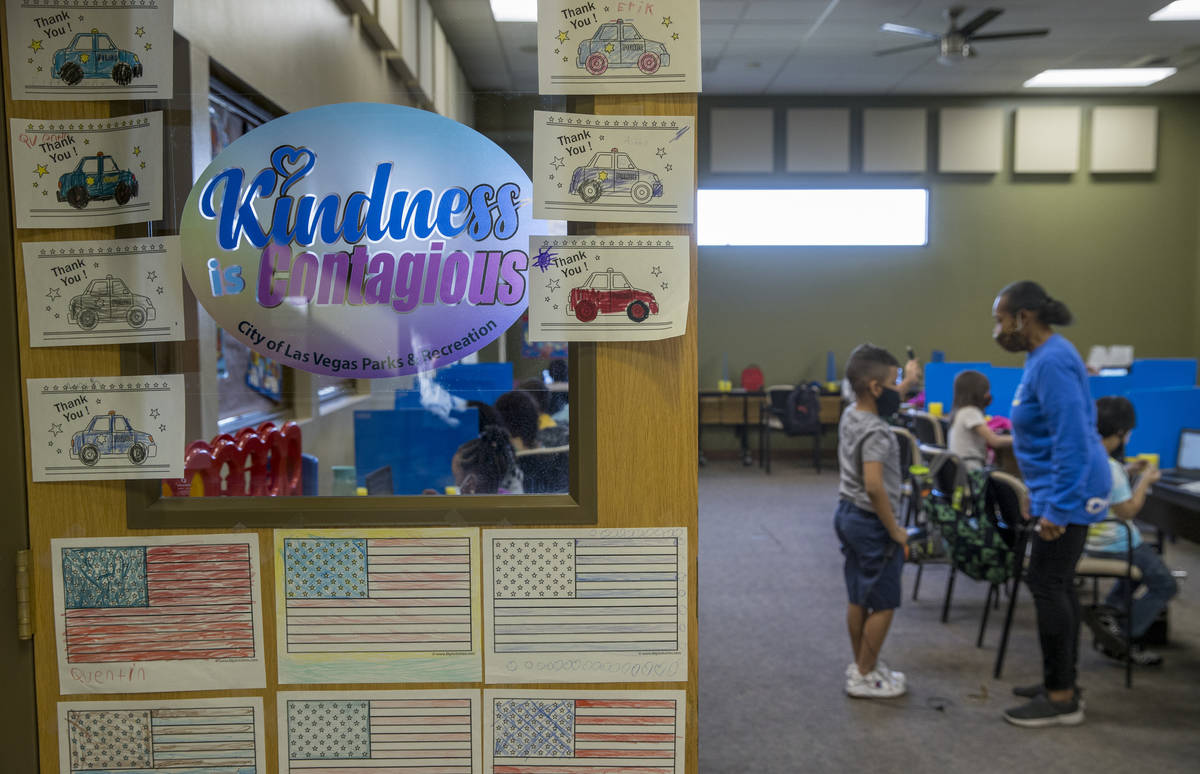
<point>94,55</point>
<point>619,44</point>
<point>111,435</point>
<point>96,177</point>
<point>613,172</point>
<point>110,300</point>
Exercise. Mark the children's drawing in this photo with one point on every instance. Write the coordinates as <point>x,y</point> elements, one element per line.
<point>97,178</point>
<point>585,605</point>
<point>96,50</point>
<point>97,172</point>
<point>608,289</point>
<point>371,732</point>
<point>377,605</point>
<point>639,47</point>
<point>135,615</point>
<point>97,428</point>
<point>637,169</point>
<point>214,736</point>
<point>573,732</point>
<point>112,292</point>
<point>614,173</point>
<point>265,376</point>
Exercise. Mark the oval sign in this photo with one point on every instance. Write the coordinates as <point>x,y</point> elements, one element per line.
<point>362,240</point>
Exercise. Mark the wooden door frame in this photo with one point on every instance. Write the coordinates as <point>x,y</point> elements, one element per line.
<point>18,716</point>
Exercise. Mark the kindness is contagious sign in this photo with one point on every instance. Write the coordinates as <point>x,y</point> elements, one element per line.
<point>363,240</point>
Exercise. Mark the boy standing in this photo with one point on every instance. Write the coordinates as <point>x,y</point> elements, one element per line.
<point>872,540</point>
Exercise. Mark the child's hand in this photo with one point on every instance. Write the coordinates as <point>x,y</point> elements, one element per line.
<point>899,535</point>
<point>1152,474</point>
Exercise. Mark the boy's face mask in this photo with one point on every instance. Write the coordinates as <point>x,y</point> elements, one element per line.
<point>887,403</point>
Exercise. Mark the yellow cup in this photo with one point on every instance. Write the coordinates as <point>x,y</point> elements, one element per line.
<point>935,409</point>
<point>724,385</point>
<point>451,490</point>
<point>832,387</point>
<point>1149,458</point>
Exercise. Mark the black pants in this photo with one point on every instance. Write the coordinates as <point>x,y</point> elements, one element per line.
<point>1051,579</point>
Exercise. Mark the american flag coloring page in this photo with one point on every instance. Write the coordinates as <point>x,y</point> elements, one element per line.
<point>371,732</point>
<point>369,605</point>
<point>592,732</point>
<point>145,614</point>
<point>216,736</point>
<point>585,605</point>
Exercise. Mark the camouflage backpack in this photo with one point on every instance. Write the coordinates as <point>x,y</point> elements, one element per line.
<point>978,546</point>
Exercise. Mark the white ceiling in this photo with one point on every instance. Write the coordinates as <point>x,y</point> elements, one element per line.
<point>800,47</point>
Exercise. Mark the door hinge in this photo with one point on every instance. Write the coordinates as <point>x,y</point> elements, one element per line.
<point>24,617</point>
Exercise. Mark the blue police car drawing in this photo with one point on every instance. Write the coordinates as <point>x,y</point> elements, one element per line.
<point>613,172</point>
<point>96,177</point>
<point>94,55</point>
<point>619,44</point>
<point>111,435</point>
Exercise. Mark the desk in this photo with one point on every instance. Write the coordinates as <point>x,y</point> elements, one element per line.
<point>728,409</point>
<point>1172,510</point>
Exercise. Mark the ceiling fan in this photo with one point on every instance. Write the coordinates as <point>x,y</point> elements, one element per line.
<point>955,44</point>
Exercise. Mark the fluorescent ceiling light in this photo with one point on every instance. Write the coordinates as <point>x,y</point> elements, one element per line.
<point>1180,10</point>
<point>813,217</point>
<point>514,10</point>
<point>1098,77</point>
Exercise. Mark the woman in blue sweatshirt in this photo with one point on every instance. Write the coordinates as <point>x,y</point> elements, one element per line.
<point>1064,466</point>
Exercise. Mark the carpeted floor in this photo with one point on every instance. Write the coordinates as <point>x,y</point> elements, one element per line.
<point>773,647</point>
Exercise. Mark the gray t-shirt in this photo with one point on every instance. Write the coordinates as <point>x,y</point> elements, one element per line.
<point>965,441</point>
<point>865,437</point>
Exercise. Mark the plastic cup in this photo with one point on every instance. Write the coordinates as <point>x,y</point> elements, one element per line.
<point>935,409</point>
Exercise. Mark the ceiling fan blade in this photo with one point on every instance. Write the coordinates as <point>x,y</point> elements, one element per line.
<point>889,27</point>
<point>910,47</point>
<point>1014,34</point>
<point>980,20</point>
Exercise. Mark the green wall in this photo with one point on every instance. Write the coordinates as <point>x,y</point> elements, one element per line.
<point>1123,251</point>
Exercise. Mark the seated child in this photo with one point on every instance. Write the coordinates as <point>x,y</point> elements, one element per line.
<point>486,464</point>
<point>970,435</point>
<point>1115,419</point>
<point>872,540</point>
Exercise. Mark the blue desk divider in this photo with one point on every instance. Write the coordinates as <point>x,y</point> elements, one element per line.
<point>1150,374</point>
<point>1004,383</point>
<point>939,381</point>
<point>470,381</point>
<point>416,443</point>
<point>1102,386</point>
<point>1161,414</point>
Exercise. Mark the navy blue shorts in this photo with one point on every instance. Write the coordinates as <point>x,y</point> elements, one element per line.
<point>874,561</point>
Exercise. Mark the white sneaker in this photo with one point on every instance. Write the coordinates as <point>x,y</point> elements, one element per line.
<point>882,668</point>
<point>873,686</point>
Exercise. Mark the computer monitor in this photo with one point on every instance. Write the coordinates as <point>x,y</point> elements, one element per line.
<point>379,482</point>
<point>1189,450</point>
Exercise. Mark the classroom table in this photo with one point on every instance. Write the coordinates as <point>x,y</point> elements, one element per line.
<point>1173,511</point>
<point>732,409</point>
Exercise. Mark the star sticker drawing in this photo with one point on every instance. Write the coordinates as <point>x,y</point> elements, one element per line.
<point>668,167</point>
<point>162,428</point>
<point>159,290</point>
<point>547,299</point>
<point>35,45</point>
<point>660,152</point>
<point>137,150</point>
<point>154,413</point>
<point>557,162</point>
<point>149,46</point>
<point>656,271</point>
<point>562,37</point>
<point>140,31</point>
<point>55,428</point>
<point>552,285</point>
<point>544,259</point>
<point>609,48</point>
<point>142,165</point>
<point>665,286</point>
<point>152,275</point>
<point>54,294</point>
<point>666,22</point>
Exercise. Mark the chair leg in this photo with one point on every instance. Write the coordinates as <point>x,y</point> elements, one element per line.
<point>1128,630</point>
<point>768,450</point>
<point>1018,570</point>
<point>987,608</point>
<point>949,592</point>
<point>917,582</point>
<point>817,452</point>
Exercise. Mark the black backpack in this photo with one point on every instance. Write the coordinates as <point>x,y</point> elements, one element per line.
<point>803,415</point>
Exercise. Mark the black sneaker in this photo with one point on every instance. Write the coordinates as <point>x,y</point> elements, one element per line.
<point>1138,654</point>
<point>1040,712</point>
<point>1106,629</point>
<point>1034,690</point>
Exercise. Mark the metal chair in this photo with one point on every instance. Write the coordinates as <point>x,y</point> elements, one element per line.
<point>1011,498</point>
<point>775,414</point>
<point>1094,567</point>
<point>927,428</point>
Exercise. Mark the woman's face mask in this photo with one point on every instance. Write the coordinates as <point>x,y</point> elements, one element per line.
<point>1009,329</point>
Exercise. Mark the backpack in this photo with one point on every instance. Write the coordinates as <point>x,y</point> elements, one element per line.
<point>976,543</point>
<point>803,415</point>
